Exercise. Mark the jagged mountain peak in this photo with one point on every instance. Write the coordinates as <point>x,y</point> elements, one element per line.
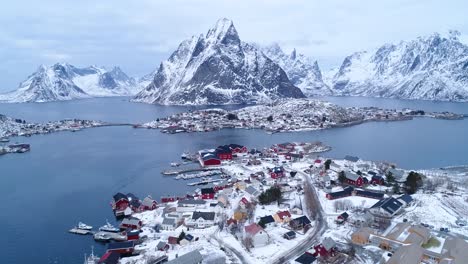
<point>217,68</point>
<point>293,54</point>
<point>302,70</point>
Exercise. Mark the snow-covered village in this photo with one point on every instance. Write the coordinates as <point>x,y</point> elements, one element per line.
<point>237,132</point>
<point>286,116</point>
<point>288,203</point>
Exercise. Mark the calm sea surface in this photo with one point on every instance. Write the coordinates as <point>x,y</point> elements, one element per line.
<point>70,177</point>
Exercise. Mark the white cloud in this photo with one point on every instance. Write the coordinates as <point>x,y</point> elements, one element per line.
<point>139,34</point>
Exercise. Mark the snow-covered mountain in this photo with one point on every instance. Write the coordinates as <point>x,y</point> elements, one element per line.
<point>302,71</point>
<point>147,79</point>
<point>218,68</point>
<point>63,81</point>
<point>429,68</point>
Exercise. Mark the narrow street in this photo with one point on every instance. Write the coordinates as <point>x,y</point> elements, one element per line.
<point>314,235</point>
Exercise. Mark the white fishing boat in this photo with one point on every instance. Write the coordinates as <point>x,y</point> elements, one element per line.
<point>175,164</point>
<point>4,140</point>
<point>84,226</point>
<point>184,156</point>
<point>102,237</point>
<point>108,227</point>
<point>91,259</point>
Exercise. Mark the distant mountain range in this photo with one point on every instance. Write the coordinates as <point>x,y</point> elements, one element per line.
<point>219,68</point>
<point>63,81</point>
<point>428,68</point>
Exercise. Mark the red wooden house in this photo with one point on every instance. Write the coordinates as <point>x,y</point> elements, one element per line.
<point>207,193</point>
<point>168,199</point>
<point>132,234</point>
<point>235,148</point>
<point>124,248</point>
<point>132,223</point>
<point>354,179</point>
<point>120,202</point>
<point>277,172</point>
<point>148,204</point>
<point>326,249</point>
<point>221,186</point>
<point>211,160</point>
<point>376,179</point>
<point>224,152</point>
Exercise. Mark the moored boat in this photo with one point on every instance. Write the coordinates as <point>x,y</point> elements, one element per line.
<point>108,227</point>
<point>102,237</point>
<point>84,226</point>
<point>4,140</point>
<point>91,259</point>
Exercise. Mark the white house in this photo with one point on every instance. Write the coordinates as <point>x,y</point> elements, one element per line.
<point>259,236</point>
<point>202,219</point>
<point>168,224</point>
<point>190,205</point>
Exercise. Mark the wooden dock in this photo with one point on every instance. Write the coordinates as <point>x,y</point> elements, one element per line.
<point>177,172</point>
<point>80,231</point>
<point>204,182</point>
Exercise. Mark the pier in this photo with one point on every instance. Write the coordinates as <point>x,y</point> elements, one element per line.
<point>204,182</point>
<point>80,231</point>
<point>177,172</point>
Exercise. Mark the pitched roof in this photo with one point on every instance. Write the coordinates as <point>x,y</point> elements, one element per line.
<point>409,254</point>
<point>110,258</point>
<point>191,202</point>
<point>390,205</point>
<point>302,220</point>
<point>148,201</point>
<point>131,221</point>
<point>344,215</point>
<point>119,196</point>
<point>370,194</point>
<point>251,190</point>
<point>283,214</point>
<point>161,245</point>
<point>205,215</point>
<point>172,240</point>
<point>168,221</point>
<point>346,191</point>
<point>120,245</point>
<point>306,258</point>
<point>406,198</point>
<point>328,243</point>
<point>351,176</point>
<point>253,229</point>
<point>207,191</point>
<point>267,219</point>
<point>193,257</point>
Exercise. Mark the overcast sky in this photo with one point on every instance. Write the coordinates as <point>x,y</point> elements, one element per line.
<point>137,35</point>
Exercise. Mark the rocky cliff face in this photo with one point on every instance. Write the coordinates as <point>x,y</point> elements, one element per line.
<point>301,70</point>
<point>218,68</point>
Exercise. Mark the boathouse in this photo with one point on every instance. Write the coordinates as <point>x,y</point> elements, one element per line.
<point>211,160</point>
<point>224,152</point>
<point>132,223</point>
<point>124,248</point>
<point>207,193</point>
